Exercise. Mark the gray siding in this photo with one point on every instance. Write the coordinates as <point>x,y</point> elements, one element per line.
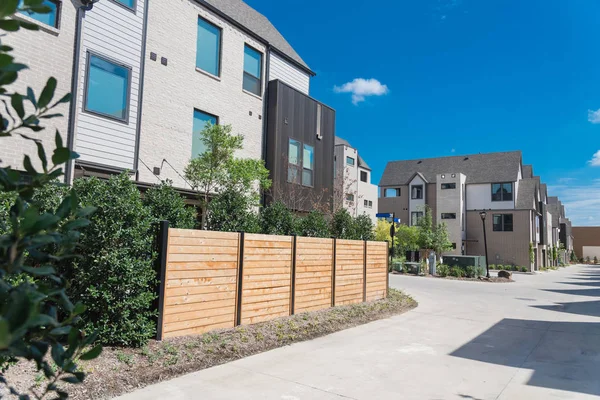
<point>288,73</point>
<point>115,32</point>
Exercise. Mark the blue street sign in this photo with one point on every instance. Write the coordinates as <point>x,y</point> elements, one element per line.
<point>383,215</point>
<point>397,220</point>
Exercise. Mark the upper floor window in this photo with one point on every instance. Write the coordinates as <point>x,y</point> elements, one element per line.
<point>503,222</point>
<point>349,160</point>
<point>107,88</point>
<point>294,158</point>
<point>448,215</point>
<point>208,47</point>
<point>201,120</point>
<point>448,186</point>
<point>368,204</point>
<point>350,197</point>
<point>502,191</point>
<point>364,176</point>
<point>252,70</point>
<point>50,18</point>
<point>416,192</point>
<point>415,217</point>
<point>308,165</point>
<point>391,192</point>
<point>127,3</point>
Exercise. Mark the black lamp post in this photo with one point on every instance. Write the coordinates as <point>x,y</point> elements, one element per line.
<point>483,214</point>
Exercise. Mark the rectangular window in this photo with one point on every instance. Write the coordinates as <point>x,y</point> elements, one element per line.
<point>415,217</point>
<point>50,18</point>
<point>208,47</point>
<point>368,204</point>
<point>252,70</point>
<point>416,192</point>
<point>349,160</point>
<point>350,197</point>
<point>502,191</point>
<point>308,165</point>
<point>448,215</point>
<point>364,176</point>
<point>391,192</point>
<point>448,186</point>
<point>503,222</point>
<point>127,3</point>
<point>294,161</point>
<point>107,88</point>
<point>201,121</point>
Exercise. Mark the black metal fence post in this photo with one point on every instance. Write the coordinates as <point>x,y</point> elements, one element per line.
<point>163,248</point>
<point>333,273</point>
<point>240,278</point>
<point>293,272</point>
<point>364,271</point>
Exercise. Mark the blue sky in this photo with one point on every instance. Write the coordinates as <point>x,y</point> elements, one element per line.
<point>460,77</point>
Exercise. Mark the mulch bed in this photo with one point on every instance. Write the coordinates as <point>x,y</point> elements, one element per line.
<point>492,279</point>
<point>121,370</point>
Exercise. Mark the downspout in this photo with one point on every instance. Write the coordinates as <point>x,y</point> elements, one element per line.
<point>74,81</point>
<point>141,93</point>
<point>265,116</point>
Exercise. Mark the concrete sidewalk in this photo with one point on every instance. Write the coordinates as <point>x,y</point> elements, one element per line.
<point>537,338</point>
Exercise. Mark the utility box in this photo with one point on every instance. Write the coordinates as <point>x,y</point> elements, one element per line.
<point>464,261</point>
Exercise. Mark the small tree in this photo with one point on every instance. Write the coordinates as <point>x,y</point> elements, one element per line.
<point>166,204</point>
<point>363,228</point>
<point>382,231</point>
<point>217,168</point>
<point>277,219</point>
<point>407,239</point>
<point>426,231</point>
<point>314,225</point>
<point>441,240</point>
<point>342,224</point>
<point>573,257</point>
<point>531,253</point>
<point>231,211</point>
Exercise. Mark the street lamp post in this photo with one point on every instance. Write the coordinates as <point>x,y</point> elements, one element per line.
<point>483,214</point>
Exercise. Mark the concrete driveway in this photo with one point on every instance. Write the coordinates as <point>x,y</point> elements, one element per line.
<point>538,338</point>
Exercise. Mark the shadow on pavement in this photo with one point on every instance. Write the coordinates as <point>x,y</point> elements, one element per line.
<point>585,283</point>
<point>591,308</point>
<point>576,292</point>
<point>562,355</point>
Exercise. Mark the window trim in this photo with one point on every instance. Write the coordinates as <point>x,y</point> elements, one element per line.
<point>132,9</point>
<point>447,214</point>
<point>412,197</point>
<point>89,55</point>
<point>220,49</point>
<point>300,166</point>
<point>503,223</point>
<point>366,176</point>
<point>448,184</point>
<point>512,190</point>
<point>43,26</point>
<point>216,117</point>
<point>398,192</point>
<point>312,171</point>
<point>260,78</point>
<point>350,158</point>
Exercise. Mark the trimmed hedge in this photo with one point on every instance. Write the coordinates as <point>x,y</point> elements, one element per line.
<point>165,204</point>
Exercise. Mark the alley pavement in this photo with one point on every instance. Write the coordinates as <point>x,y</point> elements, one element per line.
<point>536,338</point>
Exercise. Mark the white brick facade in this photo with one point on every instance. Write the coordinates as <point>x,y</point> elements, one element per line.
<point>172,92</point>
<point>48,52</point>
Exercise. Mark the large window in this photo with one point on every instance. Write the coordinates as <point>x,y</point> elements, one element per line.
<point>308,165</point>
<point>201,119</point>
<point>415,217</point>
<point>416,192</point>
<point>294,161</point>
<point>448,186</point>
<point>502,191</point>
<point>364,176</point>
<point>252,70</point>
<point>503,222</point>
<point>107,88</point>
<point>50,18</point>
<point>127,3</point>
<point>349,160</point>
<point>208,47</point>
<point>448,215</point>
<point>391,192</point>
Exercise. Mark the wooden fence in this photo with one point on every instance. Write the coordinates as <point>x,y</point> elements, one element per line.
<point>211,280</point>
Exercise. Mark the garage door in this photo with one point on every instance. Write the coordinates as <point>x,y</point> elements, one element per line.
<point>591,252</point>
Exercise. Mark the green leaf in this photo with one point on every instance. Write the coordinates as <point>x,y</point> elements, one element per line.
<point>65,99</point>
<point>77,224</point>
<point>47,93</point>
<point>16,101</point>
<point>61,155</point>
<point>79,309</point>
<point>9,25</point>
<point>57,354</point>
<point>61,331</point>
<point>74,336</point>
<point>6,78</point>
<point>42,156</point>
<point>28,166</point>
<point>15,67</point>
<point>58,140</point>
<point>65,207</point>
<point>44,221</point>
<point>40,271</point>
<point>8,7</point>
<point>31,96</point>
<point>71,379</point>
<point>5,336</point>
<point>29,26</point>
<point>86,211</point>
<point>93,353</point>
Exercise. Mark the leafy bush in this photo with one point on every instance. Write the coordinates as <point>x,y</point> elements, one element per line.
<point>165,204</point>
<point>471,271</point>
<point>457,272</point>
<point>342,225</point>
<point>231,211</point>
<point>443,270</point>
<point>277,219</point>
<point>314,225</point>
<point>524,269</point>
<point>363,228</point>
<point>492,266</point>
<point>115,276</point>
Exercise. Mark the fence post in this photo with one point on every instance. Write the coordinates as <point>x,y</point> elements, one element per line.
<point>387,274</point>
<point>240,278</point>
<point>163,248</point>
<point>364,271</point>
<point>293,272</point>
<point>333,273</point>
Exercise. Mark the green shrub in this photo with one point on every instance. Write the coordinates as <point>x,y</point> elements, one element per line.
<point>457,272</point>
<point>471,271</point>
<point>165,204</point>
<point>115,276</point>
<point>363,228</point>
<point>277,219</point>
<point>481,271</point>
<point>524,269</point>
<point>231,211</point>
<point>492,266</point>
<point>314,225</point>
<point>443,270</point>
<point>342,225</point>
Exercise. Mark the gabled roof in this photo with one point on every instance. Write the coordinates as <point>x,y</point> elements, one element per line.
<point>361,163</point>
<point>257,23</point>
<point>526,198</point>
<point>478,168</point>
<point>544,190</point>
<point>527,171</point>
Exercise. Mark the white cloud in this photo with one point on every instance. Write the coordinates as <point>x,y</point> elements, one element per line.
<point>594,116</point>
<point>595,161</point>
<point>453,151</point>
<point>362,88</point>
<point>581,201</point>
<point>566,180</point>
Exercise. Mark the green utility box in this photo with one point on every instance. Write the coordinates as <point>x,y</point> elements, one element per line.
<point>464,261</point>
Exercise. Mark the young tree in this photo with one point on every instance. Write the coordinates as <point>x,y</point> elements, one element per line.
<point>426,231</point>
<point>314,225</point>
<point>231,211</point>
<point>166,204</point>
<point>277,219</point>
<point>363,228</point>
<point>407,239</point>
<point>441,240</point>
<point>217,168</point>
<point>382,231</point>
<point>342,224</point>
